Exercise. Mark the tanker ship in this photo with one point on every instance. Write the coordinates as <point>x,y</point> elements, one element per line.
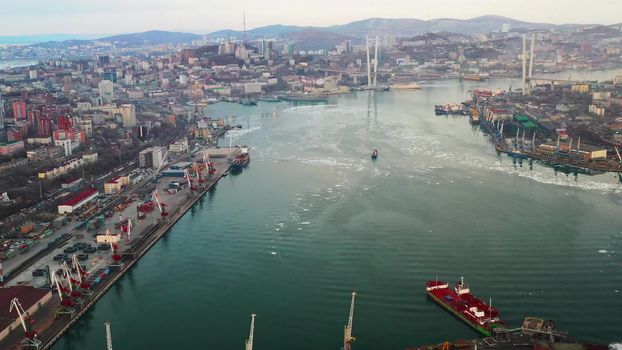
<point>460,302</point>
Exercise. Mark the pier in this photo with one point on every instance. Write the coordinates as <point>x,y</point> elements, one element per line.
<point>51,324</point>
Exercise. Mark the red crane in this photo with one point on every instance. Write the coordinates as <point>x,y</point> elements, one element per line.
<point>30,336</point>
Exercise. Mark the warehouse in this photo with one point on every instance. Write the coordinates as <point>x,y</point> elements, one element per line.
<point>30,298</point>
<point>77,201</point>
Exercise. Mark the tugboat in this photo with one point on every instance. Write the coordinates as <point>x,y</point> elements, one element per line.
<point>374,154</point>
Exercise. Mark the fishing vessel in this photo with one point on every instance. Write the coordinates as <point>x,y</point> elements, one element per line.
<point>374,154</point>
<point>460,302</point>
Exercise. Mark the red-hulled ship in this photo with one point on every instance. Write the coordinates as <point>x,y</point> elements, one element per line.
<point>460,302</point>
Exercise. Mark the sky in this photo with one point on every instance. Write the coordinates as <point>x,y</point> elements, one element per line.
<point>27,17</point>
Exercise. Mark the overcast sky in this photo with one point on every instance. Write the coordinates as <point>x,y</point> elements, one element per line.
<point>21,17</point>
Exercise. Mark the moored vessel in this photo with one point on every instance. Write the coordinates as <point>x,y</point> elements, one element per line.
<point>241,160</point>
<point>460,302</point>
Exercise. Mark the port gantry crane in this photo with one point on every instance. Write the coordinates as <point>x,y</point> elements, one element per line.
<point>249,341</point>
<point>348,339</point>
<point>30,337</point>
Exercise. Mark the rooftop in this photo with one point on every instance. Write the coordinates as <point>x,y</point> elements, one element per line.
<point>80,197</point>
<point>28,296</point>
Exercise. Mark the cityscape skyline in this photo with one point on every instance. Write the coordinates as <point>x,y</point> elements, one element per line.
<point>68,16</point>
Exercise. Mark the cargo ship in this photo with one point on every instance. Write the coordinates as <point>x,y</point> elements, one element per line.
<point>241,160</point>
<point>460,302</point>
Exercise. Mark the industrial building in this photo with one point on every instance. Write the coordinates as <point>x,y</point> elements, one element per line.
<point>153,157</point>
<point>585,151</point>
<point>30,298</point>
<point>116,184</point>
<point>77,201</point>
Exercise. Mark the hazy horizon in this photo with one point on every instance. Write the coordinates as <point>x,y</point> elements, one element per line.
<point>31,17</point>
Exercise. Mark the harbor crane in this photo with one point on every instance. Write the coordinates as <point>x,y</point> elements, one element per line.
<point>66,304</point>
<point>249,341</point>
<point>208,163</point>
<point>129,229</point>
<point>190,182</point>
<point>160,204</point>
<point>85,287</point>
<point>75,295</point>
<point>348,339</point>
<point>30,337</point>
<point>108,336</point>
<point>116,257</point>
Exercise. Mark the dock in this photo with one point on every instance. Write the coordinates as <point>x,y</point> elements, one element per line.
<point>103,269</point>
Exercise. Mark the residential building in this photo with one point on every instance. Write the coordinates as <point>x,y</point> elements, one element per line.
<point>19,110</point>
<point>106,90</point>
<point>11,147</point>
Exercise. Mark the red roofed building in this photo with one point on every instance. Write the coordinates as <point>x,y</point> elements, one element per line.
<point>31,299</point>
<point>77,201</point>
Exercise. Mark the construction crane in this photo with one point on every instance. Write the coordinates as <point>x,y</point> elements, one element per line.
<point>249,341</point>
<point>108,336</point>
<point>160,204</point>
<point>30,337</point>
<point>348,339</point>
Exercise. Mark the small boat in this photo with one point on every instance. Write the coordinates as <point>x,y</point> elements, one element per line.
<point>374,154</point>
